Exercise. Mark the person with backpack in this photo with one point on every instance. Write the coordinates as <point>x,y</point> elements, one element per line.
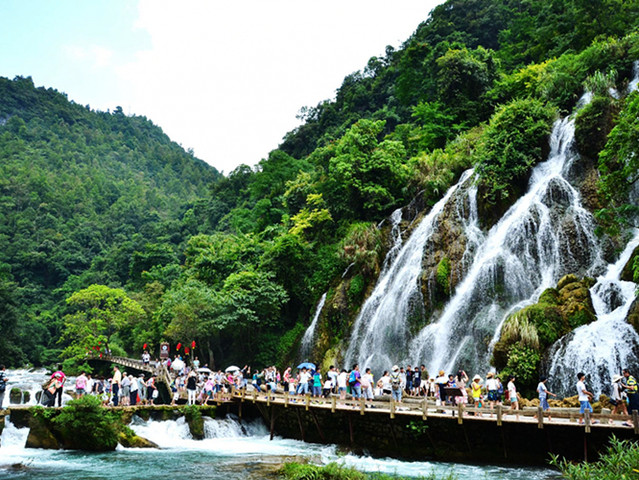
<point>3,384</point>
<point>396,384</point>
<point>354,382</point>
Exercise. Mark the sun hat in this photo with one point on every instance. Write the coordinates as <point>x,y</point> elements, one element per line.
<point>441,372</point>
<point>616,378</point>
<point>395,368</point>
<point>490,375</point>
<point>476,377</point>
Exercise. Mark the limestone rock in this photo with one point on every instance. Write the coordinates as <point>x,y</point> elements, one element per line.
<point>627,273</point>
<point>633,314</point>
<point>135,441</point>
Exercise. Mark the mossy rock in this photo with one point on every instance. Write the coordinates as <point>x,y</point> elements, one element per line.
<point>566,279</point>
<point>550,296</point>
<point>15,396</point>
<point>633,315</point>
<point>627,272</point>
<point>41,434</point>
<point>129,440</point>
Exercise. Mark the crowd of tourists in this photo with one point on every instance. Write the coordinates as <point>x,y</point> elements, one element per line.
<point>199,384</point>
<point>119,389</point>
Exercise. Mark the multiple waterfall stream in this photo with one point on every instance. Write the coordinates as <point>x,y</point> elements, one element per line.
<point>545,235</point>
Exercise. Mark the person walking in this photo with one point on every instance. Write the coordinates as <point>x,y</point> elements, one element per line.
<point>543,392</point>
<point>475,390</point>
<point>584,396</point>
<point>513,395</point>
<point>81,384</point>
<point>618,398</point>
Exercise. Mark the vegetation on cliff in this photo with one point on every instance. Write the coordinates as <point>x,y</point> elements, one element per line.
<point>238,263</point>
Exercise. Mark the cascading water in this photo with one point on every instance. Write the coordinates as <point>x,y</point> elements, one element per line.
<point>543,236</point>
<point>602,348</point>
<point>307,339</point>
<point>546,234</point>
<point>396,235</point>
<point>13,438</point>
<point>381,327</point>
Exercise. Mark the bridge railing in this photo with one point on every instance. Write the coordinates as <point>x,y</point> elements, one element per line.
<point>425,407</point>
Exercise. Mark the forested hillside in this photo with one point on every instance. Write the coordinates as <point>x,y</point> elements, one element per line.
<point>87,197</point>
<point>113,204</point>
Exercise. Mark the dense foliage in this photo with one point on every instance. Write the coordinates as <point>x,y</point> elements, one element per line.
<point>336,471</point>
<point>98,203</point>
<point>619,460</point>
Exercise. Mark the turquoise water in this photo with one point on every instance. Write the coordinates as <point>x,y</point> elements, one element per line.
<point>230,451</point>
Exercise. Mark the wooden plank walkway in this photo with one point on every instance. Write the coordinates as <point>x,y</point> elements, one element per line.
<point>423,408</point>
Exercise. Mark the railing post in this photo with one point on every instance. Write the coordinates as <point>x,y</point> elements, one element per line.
<point>362,405</point>
<point>540,417</point>
<point>254,394</point>
<point>635,420</point>
<point>460,413</point>
<point>333,402</point>
<point>424,408</point>
<point>392,408</point>
<point>587,420</point>
<point>286,399</point>
<point>308,401</point>
<point>499,412</point>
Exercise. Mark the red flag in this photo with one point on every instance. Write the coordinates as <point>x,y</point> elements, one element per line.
<point>100,355</point>
<point>144,346</point>
<point>193,344</point>
<point>179,345</point>
<point>186,350</point>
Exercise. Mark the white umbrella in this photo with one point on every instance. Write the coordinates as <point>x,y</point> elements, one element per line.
<point>203,370</point>
<point>232,368</point>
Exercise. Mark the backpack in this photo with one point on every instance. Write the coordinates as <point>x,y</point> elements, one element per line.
<point>352,379</point>
<point>395,381</point>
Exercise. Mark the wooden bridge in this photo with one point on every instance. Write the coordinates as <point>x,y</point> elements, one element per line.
<point>420,428</point>
<point>160,371</point>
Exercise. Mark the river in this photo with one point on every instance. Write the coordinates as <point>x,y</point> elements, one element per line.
<point>231,450</point>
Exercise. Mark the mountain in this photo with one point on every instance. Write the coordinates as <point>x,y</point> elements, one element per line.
<point>81,191</point>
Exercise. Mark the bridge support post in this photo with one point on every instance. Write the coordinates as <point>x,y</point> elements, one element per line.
<point>424,408</point>
<point>499,414</point>
<point>540,417</point>
<point>362,406</point>
<point>460,413</point>
<point>392,408</point>
<point>333,402</point>
<point>587,421</point>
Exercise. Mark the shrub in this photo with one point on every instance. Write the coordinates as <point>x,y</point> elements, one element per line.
<point>620,460</point>
<point>89,426</point>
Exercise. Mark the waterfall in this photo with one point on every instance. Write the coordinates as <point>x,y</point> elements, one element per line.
<point>13,438</point>
<point>543,236</point>
<point>307,339</point>
<point>602,348</point>
<point>381,327</point>
<point>396,236</point>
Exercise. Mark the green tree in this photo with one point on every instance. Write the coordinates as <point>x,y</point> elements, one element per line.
<point>99,313</point>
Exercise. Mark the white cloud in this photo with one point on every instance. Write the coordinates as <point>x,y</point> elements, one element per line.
<point>97,56</point>
<point>227,78</point>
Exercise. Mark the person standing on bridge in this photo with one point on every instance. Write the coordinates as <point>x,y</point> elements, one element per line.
<point>58,378</point>
<point>3,384</point>
<point>116,380</point>
<point>191,387</point>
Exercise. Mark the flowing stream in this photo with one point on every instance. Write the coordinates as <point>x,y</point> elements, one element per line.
<point>231,450</point>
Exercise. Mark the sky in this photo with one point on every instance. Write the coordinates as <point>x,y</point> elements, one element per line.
<point>223,78</point>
